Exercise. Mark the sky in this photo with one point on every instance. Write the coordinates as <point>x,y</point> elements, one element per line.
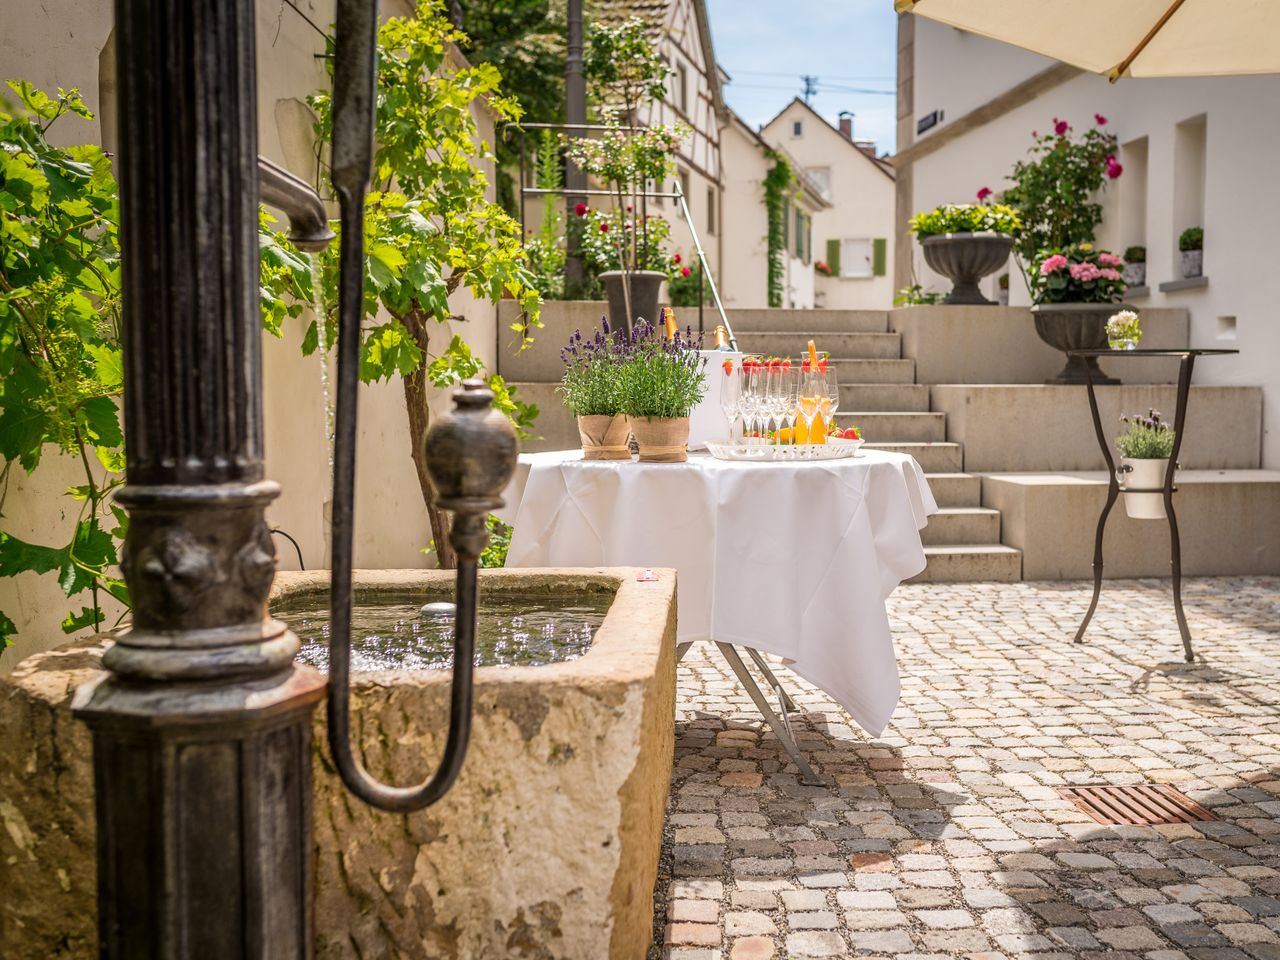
<point>849,45</point>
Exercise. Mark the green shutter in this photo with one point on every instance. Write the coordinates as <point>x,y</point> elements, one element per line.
<point>786,226</point>
<point>833,256</point>
<point>879,252</point>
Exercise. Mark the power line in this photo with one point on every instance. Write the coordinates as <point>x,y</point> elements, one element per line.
<point>820,88</point>
<point>766,73</point>
<point>810,86</point>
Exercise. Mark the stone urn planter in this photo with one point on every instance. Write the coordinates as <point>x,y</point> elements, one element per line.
<point>661,439</point>
<point>1192,263</point>
<point>1135,274</point>
<point>645,286</point>
<point>1076,326</point>
<point>604,437</point>
<point>1143,475</point>
<point>965,258</point>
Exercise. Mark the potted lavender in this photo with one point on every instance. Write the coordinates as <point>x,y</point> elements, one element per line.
<point>589,387</point>
<point>660,381</point>
<point>1145,449</point>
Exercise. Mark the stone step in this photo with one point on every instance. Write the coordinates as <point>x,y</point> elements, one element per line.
<point>890,397</point>
<point>876,371</point>
<point>842,346</point>
<point>955,489</point>
<point>965,563</point>
<point>887,427</point>
<point>932,457</point>
<point>805,321</point>
<point>953,526</point>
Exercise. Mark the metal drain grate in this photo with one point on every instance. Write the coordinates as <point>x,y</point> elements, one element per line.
<point>1142,805</point>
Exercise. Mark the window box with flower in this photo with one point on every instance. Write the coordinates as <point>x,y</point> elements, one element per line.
<point>1076,289</point>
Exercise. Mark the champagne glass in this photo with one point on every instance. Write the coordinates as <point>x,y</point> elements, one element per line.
<point>757,395</point>
<point>731,398</point>
<point>812,391</point>
<point>791,404</point>
<point>775,399</point>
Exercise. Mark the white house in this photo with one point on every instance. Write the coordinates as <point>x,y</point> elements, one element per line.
<point>853,233</point>
<point>744,280</point>
<point>1195,152</point>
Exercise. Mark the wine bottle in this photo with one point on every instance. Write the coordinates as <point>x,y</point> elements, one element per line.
<point>669,316</point>
<point>722,337</point>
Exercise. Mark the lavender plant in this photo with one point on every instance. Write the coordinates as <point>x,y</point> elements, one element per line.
<point>661,377</point>
<point>1148,437</point>
<point>590,385</point>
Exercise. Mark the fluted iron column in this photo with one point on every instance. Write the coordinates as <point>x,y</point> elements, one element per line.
<point>201,729</point>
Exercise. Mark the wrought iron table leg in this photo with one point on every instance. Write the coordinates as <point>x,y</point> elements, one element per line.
<point>777,724</point>
<point>785,698</point>
<point>681,650</point>
<point>1113,491</point>
<point>1175,545</point>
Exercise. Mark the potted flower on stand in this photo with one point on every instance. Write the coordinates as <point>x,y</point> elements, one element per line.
<point>660,381</point>
<point>1123,331</point>
<point>1135,266</point>
<point>1191,244</point>
<point>1145,449</point>
<point>1075,291</point>
<point>589,387</point>
<point>966,242</point>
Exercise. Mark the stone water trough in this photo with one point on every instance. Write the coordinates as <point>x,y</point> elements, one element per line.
<point>546,847</point>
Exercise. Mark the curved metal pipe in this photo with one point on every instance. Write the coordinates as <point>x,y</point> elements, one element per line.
<point>308,220</point>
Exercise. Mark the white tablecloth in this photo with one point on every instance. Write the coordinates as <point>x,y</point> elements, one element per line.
<point>794,559</point>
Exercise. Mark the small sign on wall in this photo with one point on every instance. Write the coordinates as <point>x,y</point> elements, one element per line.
<point>929,121</point>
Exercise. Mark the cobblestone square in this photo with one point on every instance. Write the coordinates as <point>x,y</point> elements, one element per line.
<point>946,836</point>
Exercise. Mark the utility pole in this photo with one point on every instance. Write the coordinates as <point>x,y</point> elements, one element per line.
<point>810,86</point>
<point>575,112</point>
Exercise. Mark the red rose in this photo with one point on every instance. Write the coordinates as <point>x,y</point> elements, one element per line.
<point>1099,119</point>
<point>580,209</point>
<point>676,258</point>
<point>1061,127</point>
<point>684,271</point>
<point>1114,169</point>
<point>604,228</point>
<point>984,193</point>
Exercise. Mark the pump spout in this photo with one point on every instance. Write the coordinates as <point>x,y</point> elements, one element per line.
<point>308,222</point>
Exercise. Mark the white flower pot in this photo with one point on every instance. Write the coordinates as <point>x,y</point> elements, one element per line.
<point>1144,475</point>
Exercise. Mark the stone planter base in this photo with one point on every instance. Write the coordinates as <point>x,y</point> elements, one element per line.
<point>965,258</point>
<point>604,438</point>
<point>661,439</point>
<point>1076,326</point>
<point>1147,475</point>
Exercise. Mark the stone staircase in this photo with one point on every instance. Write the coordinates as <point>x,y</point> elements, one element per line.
<point>879,393</point>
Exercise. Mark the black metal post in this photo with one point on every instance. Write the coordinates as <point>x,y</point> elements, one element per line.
<point>1175,542</point>
<point>575,112</point>
<point>1113,491</point>
<point>202,728</point>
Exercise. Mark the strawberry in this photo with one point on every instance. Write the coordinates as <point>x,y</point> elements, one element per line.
<point>786,364</point>
<point>822,365</point>
<point>728,368</point>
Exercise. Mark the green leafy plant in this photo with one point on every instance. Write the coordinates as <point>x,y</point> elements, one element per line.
<point>1054,189</point>
<point>590,385</point>
<point>1080,273</point>
<point>966,218</point>
<point>495,554</point>
<point>545,249</point>
<point>1190,239</point>
<point>915,295</point>
<point>648,249</point>
<point>683,281</point>
<point>1148,437</point>
<point>430,230</point>
<point>660,377</point>
<point>60,363</point>
<point>1135,255</point>
<point>623,68</point>
<point>777,183</point>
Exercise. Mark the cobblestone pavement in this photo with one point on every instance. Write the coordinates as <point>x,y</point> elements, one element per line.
<point>946,837</point>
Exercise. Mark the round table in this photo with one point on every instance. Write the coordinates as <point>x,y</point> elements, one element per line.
<point>794,559</point>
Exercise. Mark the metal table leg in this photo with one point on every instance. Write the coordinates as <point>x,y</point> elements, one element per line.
<point>779,725</point>
<point>1113,491</point>
<point>784,698</point>
<point>1175,545</point>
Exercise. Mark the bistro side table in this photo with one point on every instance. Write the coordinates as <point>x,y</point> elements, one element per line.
<point>1115,487</point>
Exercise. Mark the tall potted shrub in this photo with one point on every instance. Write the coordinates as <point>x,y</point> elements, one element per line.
<point>1075,290</point>
<point>966,242</point>
<point>590,389</point>
<point>660,381</point>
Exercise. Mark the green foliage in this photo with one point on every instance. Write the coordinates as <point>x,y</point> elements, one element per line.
<point>1148,437</point>
<point>590,385</point>
<point>966,218</point>
<point>1080,273</point>
<point>647,249</point>
<point>777,182</point>
<point>60,363</point>
<point>1190,239</point>
<point>495,554</point>
<point>682,286</point>
<point>1135,255</point>
<point>915,295</point>
<point>660,377</point>
<point>1054,189</point>
<point>623,68</point>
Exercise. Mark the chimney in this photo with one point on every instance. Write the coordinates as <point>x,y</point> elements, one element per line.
<point>846,124</point>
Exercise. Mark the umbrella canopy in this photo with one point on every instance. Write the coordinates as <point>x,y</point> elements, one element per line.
<point>1126,38</point>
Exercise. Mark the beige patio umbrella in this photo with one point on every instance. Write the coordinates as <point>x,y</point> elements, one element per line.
<point>1126,38</point>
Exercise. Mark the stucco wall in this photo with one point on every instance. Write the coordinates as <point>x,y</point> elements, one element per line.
<point>1239,188</point>
<point>60,43</point>
<point>744,281</point>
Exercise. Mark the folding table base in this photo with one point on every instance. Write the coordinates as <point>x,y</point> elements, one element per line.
<point>779,722</point>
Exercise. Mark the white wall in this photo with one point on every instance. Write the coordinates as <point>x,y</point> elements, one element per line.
<point>862,205</point>
<point>1241,194</point>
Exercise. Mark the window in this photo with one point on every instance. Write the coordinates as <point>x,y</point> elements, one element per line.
<point>682,88</point>
<point>855,258</point>
<point>821,179</point>
<point>684,183</point>
<point>711,211</point>
<point>797,129</point>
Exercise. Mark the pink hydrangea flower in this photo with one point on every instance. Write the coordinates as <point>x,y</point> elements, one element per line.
<point>1054,263</point>
<point>1109,274</point>
<point>1110,260</point>
<point>1084,272</point>
<point>1060,127</point>
<point>984,193</point>
<point>1099,119</point>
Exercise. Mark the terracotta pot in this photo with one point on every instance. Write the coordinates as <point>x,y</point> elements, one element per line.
<point>1076,326</point>
<point>604,437</point>
<point>965,258</point>
<point>1144,475</point>
<point>645,286</point>
<point>661,439</point>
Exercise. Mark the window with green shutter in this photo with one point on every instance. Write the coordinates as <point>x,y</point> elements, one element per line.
<point>833,257</point>
<point>879,254</point>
